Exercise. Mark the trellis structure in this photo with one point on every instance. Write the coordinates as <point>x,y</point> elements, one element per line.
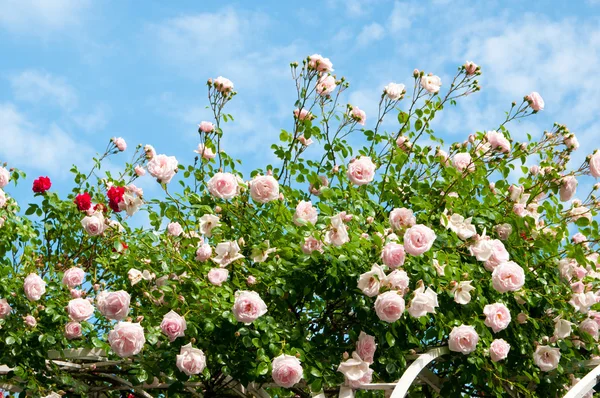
<point>95,360</point>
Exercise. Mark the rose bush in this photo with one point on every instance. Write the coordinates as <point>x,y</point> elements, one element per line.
<point>333,266</point>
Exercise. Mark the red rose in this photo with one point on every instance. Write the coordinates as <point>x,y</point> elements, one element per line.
<point>83,201</point>
<point>41,185</point>
<point>115,196</point>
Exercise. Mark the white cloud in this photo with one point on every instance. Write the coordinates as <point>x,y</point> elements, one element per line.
<point>35,17</point>
<point>95,120</point>
<point>36,86</point>
<point>48,149</point>
<point>402,16</point>
<point>370,34</point>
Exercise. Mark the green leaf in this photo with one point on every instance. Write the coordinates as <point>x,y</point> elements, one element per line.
<point>10,340</point>
<point>262,369</point>
<point>390,339</point>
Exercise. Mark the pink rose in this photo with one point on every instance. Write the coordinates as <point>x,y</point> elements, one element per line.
<point>497,316</point>
<point>389,306</point>
<point>264,189</point>
<point>522,318</point>
<point>431,83</point>
<point>462,161</point>
<point>30,321</point>
<point>4,177</point>
<point>499,350</point>
<point>358,115</point>
<point>3,199</point>
<point>418,239</point>
<point>73,330</point>
<point>94,224</point>
<point>595,164</point>
<point>354,369</point>
<point>120,143</point>
<point>370,282</point>
<point>503,231</point>
<point>5,308</point>
<point>508,277</point>
<point>251,280</point>
<point>205,152</point>
<point>337,234</point>
<point>80,309</point>
<point>366,379</point>
<point>361,171</point>
<point>498,255</point>
<point>403,143</point>
<point>217,276</point>
<point>579,238</point>
<point>311,244</point>
<point>174,229</point>
<point>287,370</point>
<point>568,187</point>
<point>325,85</point>
<point>206,127</point>
<point>423,302</point>
<point>320,64</point>
<point>248,306</point>
<point>190,360</point>
<point>305,213</point>
<point>536,102</point>
<point>204,252</point>
<point>571,142</point>
<point>498,141</point>
<point>140,171</point>
<point>578,287</point>
<point>323,183</point>
<point>223,85</point>
<point>393,255</point>
<point>546,358</point>
<point>366,346</point>
<point>207,223</point>
<point>302,114</point>
<point>304,141</point>
<point>223,185</point>
<point>397,279</point>
<point>73,277</point>
<point>113,305</point>
<point>173,325</point>
<point>590,327</point>
<point>402,218</point>
<point>394,91</point>
<point>462,292</point>
<point>227,252</point>
<point>583,301</point>
<point>470,67</point>
<point>150,152</point>
<point>126,339</point>
<point>34,286</point>
<point>163,168</point>
<point>463,339</point>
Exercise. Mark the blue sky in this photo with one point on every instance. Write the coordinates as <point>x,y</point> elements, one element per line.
<point>74,73</point>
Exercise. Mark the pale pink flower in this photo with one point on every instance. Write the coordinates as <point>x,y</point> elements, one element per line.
<point>326,84</point>
<point>546,358</point>
<point>227,252</point>
<point>571,142</point>
<point>80,309</point>
<point>568,187</point>
<point>431,83</point>
<point>287,370</point>
<point>150,152</point>
<point>354,368</point>
<point>206,127</point>
<point>223,185</point>
<point>366,346</point>
<point>248,306</point>
<point>190,360</point>
<point>302,114</point>
<point>594,164</point>
<point>402,218</point>
<point>463,339</point>
<point>499,255</point>
<point>163,168</point>
<point>3,199</point>
<point>174,229</point>
<point>459,225</point>
<point>389,306</point>
<point>590,327</point>
<point>4,177</point>
<point>126,339</point>
<point>503,231</point>
<point>498,141</point>
<point>217,276</point>
<point>522,318</point>
<point>311,244</point>
<point>305,213</point>
<point>304,141</point>
<point>418,239</point>
<point>223,85</point>
<point>393,255</point>
<point>508,277</point>
<point>264,189</point>
<point>462,161</point>
<point>337,234</point>
<point>358,115</point>
<point>470,67</point>
<point>423,302</point>
<point>536,102</point>
<point>204,151</point>
<point>497,316</point>
<point>318,63</point>
<point>94,224</point>
<point>260,255</point>
<point>207,223</point>
<point>5,308</point>
<point>113,305</point>
<point>583,301</point>
<point>394,91</point>
<point>35,287</point>
<point>73,277</point>
<point>361,171</point>
<point>461,292</point>
<point>324,183</point>
<point>203,252</point>
<point>499,350</point>
<point>140,171</point>
<point>73,330</point>
<point>173,325</point>
<point>120,143</point>
<point>30,321</point>
<point>562,328</point>
<point>403,143</point>
<point>370,281</point>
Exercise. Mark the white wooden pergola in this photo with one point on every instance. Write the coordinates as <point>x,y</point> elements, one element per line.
<point>96,359</point>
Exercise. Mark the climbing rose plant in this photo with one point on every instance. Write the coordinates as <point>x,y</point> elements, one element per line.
<point>368,242</point>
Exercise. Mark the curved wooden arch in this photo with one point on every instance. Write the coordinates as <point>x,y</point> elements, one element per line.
<point>415,369</point>
<point>584,385</point>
